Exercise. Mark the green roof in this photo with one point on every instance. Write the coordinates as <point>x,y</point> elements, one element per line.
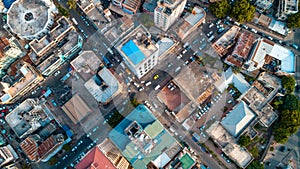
<point>187,161</point>
<point>154,129</point>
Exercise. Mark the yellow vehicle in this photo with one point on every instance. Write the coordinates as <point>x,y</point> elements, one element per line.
<point>155,77</point>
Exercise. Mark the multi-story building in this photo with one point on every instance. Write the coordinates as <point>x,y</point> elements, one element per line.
<point>191,22</point>
<point>7,155</point>
<point>167,12</point>
<point>9,52</point>
<point>287,7</point>
<point>26,79</point>
<point>28,117</point>
<point>113,154</point>
<point>142,139</point>
<point>138,51</point>
<point>265,52</point>
<point>31,19</point>
<point>128,6</point>
<point>37,149</point>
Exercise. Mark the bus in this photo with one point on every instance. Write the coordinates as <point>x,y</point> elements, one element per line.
<point>74,21</point>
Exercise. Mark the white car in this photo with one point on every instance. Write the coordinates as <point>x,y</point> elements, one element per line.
<point>56,73</point>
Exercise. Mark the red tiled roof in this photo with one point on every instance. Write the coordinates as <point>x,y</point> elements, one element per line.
<point>95,159</point>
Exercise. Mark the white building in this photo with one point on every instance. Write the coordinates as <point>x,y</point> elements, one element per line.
<point>238,119</point>
<point>167,12</point>
<point>31,19</point>
<point>103,86</point>
<point>229,77</point>
<point>138,51</point>
<point>287,7</point>
<point>264,49</point>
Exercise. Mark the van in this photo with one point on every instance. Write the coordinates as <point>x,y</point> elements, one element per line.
<point>157,87</point>
<point>148,83</point>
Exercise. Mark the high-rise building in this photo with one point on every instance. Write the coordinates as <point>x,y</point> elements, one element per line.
<point>167,11</point>
<point>138,51</point>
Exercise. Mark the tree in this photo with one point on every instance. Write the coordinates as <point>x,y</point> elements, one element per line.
<point>53,160</point>
<point>288,83</point>
<point>244,140</point>
<point>72,4</point>
<point>290,102</point>
<point>255,165</point>
<point>254,152</point>
<point>63,11</point>
<point>288,124</point>
<point>243,11</point>
<point>67,147</point>
<point>135,102</point>
<point>220,9</point>
<point>293,20</point>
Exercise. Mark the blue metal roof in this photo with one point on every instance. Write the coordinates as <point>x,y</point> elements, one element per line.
<point>133,52</point>
<point>7,3</point>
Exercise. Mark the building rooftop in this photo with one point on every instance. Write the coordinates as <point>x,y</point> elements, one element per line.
<point>37,152</point>
<point>229,77</point>
<point>87,62</point>
<point>119,30</point>
<point>226,40</point>
<point>76,109</point>
<point>242,49</point>
<point>137,45</point>
<point>220,136</point>
<point>27,75</point>
<point>175,100</point>
<point>196,15</point>
<point>29,18</point>
<point>164,45</point>
<point>279,27</point>
<point>238,119</point>
<point>27,117</point>
<point>267,115</point>
<point>266,48</point>
<point>103,86</point>
<point>95,159</point>
<point>133,52</point>
<point>150,5</point>
<point>255,99</point>
<point>202,82</point>
<point>141,138</point>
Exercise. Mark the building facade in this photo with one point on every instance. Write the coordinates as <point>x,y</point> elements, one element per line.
<point>287,7</point>
<point>9,52</point>
<point>167,12</point>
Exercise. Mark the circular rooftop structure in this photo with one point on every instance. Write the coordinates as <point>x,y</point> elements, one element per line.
<point>31,19</point>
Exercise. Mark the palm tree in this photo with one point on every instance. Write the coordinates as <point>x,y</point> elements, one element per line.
<point>72,4</point>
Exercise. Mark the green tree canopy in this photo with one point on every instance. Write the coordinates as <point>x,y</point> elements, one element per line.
<point>244,140</point>
<point>293,20</point>
<point>288,83</point>
<point>220,9</point>
<point>255,165</point>
<point>72,4</point>
<point>290,102</point>
<point>254,151</point>
<point>288,124</point>
<point>63,11</point>
<point>243,11</point>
